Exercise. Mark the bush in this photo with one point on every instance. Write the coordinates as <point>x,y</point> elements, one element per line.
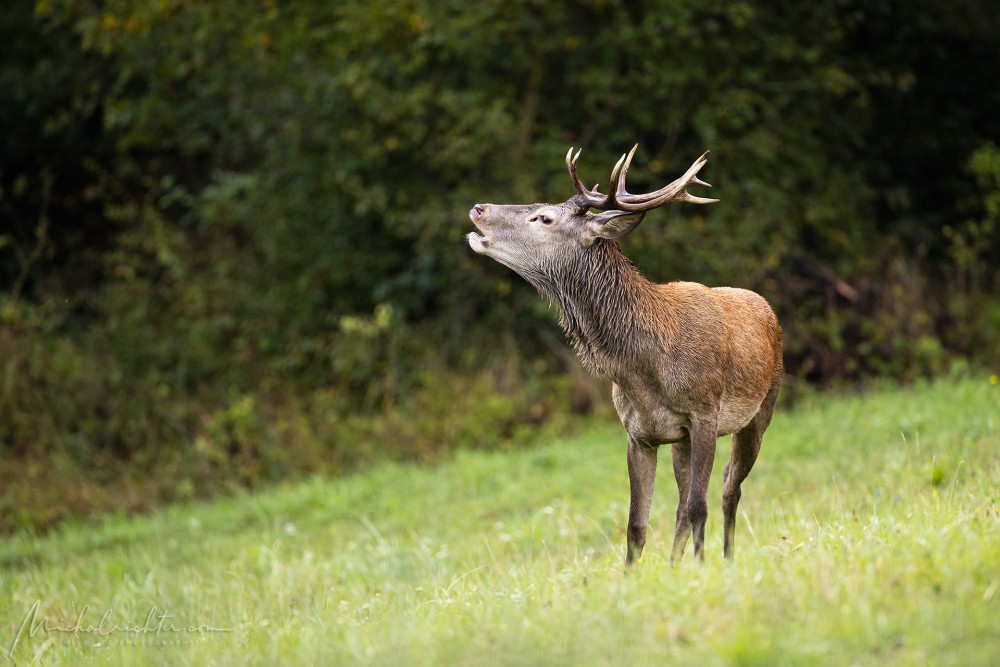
<point>232,247</point>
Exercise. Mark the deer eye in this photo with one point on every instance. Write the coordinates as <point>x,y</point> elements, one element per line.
<point>538,217</point>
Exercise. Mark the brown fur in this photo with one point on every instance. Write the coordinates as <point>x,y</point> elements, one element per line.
<point>688,363</point>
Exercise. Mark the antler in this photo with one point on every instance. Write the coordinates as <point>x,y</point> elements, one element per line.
<point>619,199</point>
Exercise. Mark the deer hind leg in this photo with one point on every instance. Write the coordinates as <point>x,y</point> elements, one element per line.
<point>682,473</point>
<point>641,476</point>
<point>746,446</point>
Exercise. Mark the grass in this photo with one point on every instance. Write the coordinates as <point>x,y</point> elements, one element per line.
<point>869,534</point>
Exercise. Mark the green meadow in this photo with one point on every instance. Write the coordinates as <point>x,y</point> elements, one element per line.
<point>869,534</point>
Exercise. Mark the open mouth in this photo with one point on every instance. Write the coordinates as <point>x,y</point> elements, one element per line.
<point>478,242</point>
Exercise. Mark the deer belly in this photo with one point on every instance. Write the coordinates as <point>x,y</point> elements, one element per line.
<point>656,425</point>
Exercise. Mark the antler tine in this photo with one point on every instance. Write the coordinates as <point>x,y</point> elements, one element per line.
<point>620,190</point>
<point>617,183</point>
<point>589,197</point>
<point>571,166</point>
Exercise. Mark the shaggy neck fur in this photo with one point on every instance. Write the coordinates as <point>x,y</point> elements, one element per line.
<point>605,304</point>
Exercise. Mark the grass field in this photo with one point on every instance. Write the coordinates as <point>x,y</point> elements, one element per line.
<point>869,534</point>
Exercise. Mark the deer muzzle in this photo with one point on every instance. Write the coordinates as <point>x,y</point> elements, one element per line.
<point>478,242</point>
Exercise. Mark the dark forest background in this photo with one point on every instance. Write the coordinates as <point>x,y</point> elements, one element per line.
<point>231,232</point>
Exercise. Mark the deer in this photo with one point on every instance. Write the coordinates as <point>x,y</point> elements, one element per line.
<point>687,363</point>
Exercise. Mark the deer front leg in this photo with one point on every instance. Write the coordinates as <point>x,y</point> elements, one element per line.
<point>682,474</point>
<point>703,436</point>
<point>641,477</point>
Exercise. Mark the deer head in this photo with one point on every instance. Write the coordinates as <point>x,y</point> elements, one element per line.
<point>534,239</point>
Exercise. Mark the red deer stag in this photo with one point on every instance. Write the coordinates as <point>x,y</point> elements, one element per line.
<point>688,363</point>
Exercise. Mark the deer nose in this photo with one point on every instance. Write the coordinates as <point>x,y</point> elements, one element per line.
<point>477,211</point>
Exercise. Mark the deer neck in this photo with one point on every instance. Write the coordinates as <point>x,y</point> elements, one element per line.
<point>605,305</point>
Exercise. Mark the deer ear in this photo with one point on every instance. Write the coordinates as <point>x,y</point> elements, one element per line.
<point>613,224</point>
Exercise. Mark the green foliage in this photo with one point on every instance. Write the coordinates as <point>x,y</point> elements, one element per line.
<point>869,533</point>
<point>86,437</point>
<point>231,233</point>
